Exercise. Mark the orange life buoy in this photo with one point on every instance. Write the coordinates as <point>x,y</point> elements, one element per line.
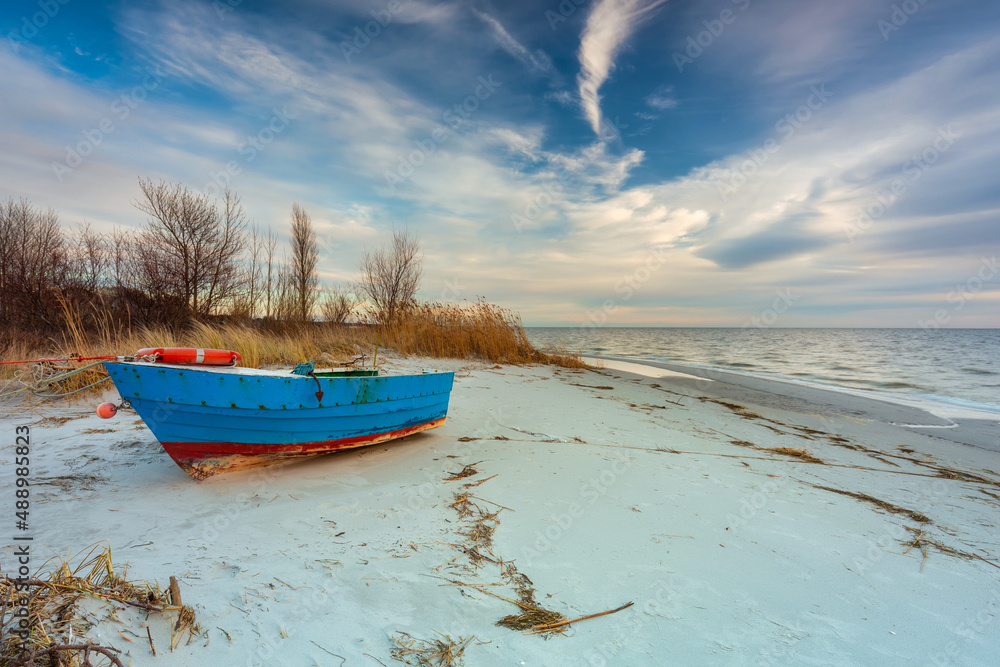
<point>191,355</point>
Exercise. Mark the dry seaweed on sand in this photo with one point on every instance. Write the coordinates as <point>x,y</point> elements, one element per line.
<point>532,614</point>
<point>945,472</point>
<point>441,652</point>
<point>740,410</point>
<point>922,542</point>
<point>58,626</point>
<point>467,471</point>
<point>796,452</point>
<point>881,504</point>
<point>552,626</point>
<point>56,654</point>
<point>469,485</point>
<point>78,480</point>
<point>478,530</point>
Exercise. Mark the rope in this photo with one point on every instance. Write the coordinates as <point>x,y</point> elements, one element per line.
<point>42,379</point>
<point>77,358</point>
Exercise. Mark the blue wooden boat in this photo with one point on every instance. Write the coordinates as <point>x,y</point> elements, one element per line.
<point>215,419</point>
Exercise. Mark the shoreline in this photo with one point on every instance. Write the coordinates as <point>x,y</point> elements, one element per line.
<point>698,501</point>
<point>953,373</point>
<point>974,431</point>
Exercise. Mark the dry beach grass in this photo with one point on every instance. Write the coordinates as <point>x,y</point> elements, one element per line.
<point>57,618</point>
<point>481,331</point>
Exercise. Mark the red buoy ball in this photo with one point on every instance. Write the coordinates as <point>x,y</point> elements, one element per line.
<point>106,410</point>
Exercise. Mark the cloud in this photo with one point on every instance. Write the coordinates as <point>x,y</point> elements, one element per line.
<point>609,25</point>
<point>537,61</point>
<point>778,241</point>
<point>662,100</point>
<point>592,214</point>
<point>563,97</point>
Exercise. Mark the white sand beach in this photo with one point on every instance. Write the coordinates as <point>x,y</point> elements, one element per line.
<point>612,486</point>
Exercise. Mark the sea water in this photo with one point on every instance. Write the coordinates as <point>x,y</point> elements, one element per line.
<point>938,367</point>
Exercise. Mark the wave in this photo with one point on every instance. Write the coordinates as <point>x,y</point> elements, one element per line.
<point>898,385</point>
<point>895,362</point>
<point>980,371</point>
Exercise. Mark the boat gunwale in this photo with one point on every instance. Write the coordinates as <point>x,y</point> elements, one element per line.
<point>267,372</point>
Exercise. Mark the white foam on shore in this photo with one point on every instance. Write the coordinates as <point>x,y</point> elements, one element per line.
<point>942,407</point>
<point>639,369</point>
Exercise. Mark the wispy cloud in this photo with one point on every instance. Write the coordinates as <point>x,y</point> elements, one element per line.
<point>662,100</point>
<point>590,211</point>
<point>537,60</point>
<point>609,25</point>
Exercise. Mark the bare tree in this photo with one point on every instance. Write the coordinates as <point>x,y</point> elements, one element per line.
<point>34,264</point>
<point>142,281</point>
<point>270,246</point>
<point>252,277</point>
<point>337,306</point>
<point>305,256</point>
<point>203,242</point>
<point>390,276</point>
<point>222,259</point>
<point>91,258</point>
<point>285,303</point>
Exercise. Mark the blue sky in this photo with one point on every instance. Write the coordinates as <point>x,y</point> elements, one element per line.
<point>632,162</point>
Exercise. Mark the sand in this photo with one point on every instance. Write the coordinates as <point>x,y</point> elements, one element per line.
<point>611,486</point>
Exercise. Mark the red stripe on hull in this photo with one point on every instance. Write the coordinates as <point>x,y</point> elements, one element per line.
<point>204,459</point>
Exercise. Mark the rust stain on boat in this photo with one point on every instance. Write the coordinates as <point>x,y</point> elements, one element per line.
<point>204,467</point>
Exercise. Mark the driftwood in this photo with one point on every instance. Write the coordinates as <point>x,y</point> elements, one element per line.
<point>53,653</point>
<point>545,627</point>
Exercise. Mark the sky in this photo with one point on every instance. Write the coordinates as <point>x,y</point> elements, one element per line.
<point>786,163</point>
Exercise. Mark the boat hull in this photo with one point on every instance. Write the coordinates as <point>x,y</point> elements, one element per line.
<point>219,420</point>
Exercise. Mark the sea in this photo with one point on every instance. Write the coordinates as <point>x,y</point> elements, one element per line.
<point>950,372</point>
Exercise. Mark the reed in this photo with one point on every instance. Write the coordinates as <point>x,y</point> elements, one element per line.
<point>481,331</point>
<point>54,619</point>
